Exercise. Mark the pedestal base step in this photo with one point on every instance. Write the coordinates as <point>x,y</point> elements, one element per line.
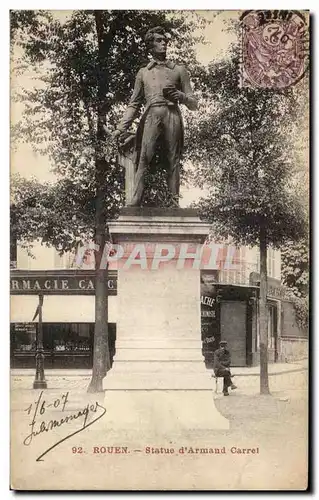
<point>160,413</point>
<point>167,380</point>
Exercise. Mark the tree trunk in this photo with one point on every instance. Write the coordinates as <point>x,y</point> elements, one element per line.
<point>101,356</point>
<point>263,323</point>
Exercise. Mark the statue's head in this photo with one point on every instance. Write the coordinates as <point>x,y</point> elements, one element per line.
<point>156,41</point>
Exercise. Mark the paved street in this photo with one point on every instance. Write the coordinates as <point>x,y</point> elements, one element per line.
<point>274,426</point>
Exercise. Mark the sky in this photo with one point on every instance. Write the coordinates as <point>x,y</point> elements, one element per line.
<point>27,163</point>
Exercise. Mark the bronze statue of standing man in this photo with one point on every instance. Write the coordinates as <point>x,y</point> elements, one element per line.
<point>162,85</point>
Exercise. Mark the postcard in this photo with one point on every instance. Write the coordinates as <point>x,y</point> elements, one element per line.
<point>159,253</point>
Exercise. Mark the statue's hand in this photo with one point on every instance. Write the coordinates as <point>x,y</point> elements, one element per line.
<point>175,95</point>
<point>116,135</point>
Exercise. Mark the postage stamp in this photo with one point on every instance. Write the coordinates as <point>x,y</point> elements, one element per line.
<point>274,48</point>
<point>159,251</point>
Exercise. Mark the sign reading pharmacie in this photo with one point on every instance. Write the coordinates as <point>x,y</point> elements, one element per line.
<point>64,282</point>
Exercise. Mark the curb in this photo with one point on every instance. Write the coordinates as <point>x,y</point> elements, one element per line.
<point>270,374</point>
<point>89,374</point>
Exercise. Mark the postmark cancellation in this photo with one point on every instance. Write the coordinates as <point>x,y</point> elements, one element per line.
<point>274,48</point>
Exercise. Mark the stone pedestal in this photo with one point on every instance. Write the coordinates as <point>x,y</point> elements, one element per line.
<point>158,345</point>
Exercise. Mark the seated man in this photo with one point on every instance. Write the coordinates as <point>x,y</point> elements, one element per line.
<point>222,360</point>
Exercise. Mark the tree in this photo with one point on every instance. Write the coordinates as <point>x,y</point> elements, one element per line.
<point>295,266</point>
<point>295,275</point>
<point>85,69</point>
<point>243,151</point>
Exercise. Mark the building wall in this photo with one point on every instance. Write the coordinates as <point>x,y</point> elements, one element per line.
<point>80,308</point>
<point>62,308</point>
<point>294,340</point>
<point>290,327</point>
<point>293,349</point>
<point>59,308</point>
<point>43,258</point>
<point>246,260</point>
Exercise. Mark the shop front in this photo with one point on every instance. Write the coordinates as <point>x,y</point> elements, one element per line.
<point>228,312</point>
<point>68,317</point>
<point>286,340</point>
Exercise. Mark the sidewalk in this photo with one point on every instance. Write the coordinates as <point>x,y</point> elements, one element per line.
<point>245,371</point>
<point>286,380</point>
<point>277,425</point>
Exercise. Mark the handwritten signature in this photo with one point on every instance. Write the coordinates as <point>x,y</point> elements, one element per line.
<point>41,406</point>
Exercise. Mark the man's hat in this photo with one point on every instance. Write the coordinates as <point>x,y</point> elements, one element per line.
<point>222,342</point>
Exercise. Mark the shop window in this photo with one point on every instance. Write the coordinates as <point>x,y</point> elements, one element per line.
<point>57,336</point>
<point>65,344</point>
<point>258,261</point>
<point>237,275</point>
<point>23,336</point>
<point>61,337</point>
<point>239,260</point>
<point>271,271</point>
<point>271,262</point>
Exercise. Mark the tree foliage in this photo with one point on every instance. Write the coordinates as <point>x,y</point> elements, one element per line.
<point>295,275</point>
<point>61,111</point>
<point>295,267</point>
<point>244,155</point>
<point>59,214</point>
<point>85,69</point>
<point>301,306</point>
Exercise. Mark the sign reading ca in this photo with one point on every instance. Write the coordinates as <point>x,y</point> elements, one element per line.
<point>58,283</point>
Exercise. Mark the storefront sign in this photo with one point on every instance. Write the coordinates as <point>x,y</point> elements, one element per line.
<point>208,314</point>
<point>275,290</point>
<point>208,301</point>
<point>208,306</point>
<point>58,283</point>
<point>25,327</point>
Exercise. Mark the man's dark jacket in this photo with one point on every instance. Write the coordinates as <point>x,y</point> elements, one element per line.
<point>222,359</point>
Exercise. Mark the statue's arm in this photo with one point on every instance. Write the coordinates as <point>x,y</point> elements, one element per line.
<point>189,99</point>
<point>135,104</point>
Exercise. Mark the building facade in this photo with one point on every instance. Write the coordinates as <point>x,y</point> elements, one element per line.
<point>229,292</point>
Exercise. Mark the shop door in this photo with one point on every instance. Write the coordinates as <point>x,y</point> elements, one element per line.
<point>233,329</point>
